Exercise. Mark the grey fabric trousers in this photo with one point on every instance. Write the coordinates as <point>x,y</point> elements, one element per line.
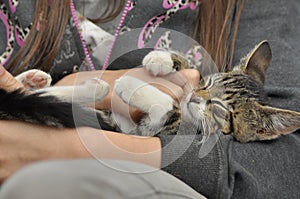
<point>89,179</point>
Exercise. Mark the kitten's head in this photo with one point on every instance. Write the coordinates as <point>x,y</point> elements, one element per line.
<point>235,103</point>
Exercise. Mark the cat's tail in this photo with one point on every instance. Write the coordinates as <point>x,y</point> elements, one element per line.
<point>48,110</point>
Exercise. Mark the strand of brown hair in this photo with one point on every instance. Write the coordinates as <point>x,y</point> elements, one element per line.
<point>42,44</point>
<point>111,11</point>
<point>216,29</point>
<point>217,24</point>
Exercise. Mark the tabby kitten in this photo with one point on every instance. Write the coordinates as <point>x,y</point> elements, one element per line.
<point>229,102</point>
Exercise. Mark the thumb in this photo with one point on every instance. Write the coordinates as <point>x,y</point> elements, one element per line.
<point>193,77</point>
<point>7,81</point>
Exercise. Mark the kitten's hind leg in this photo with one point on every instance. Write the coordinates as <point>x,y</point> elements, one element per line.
<point>146,98</point>
<point>34,79</point>
<point>91,91</point>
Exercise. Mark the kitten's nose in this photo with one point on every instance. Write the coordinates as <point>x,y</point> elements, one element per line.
<point>203,94</point>
<point>195,98</point>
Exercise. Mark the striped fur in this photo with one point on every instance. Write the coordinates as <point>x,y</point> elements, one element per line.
<point>233,102</point>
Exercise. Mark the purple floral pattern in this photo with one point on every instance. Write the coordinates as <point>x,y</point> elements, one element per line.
<point>172,7</point>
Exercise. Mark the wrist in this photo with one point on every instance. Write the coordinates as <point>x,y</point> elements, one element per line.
<point>67,144</point>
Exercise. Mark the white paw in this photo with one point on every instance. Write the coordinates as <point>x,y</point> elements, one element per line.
<point>142,95</point>
<point>159,63</point>
<point>95,88</point>
<point>34,79</point>
<point>90,91</point>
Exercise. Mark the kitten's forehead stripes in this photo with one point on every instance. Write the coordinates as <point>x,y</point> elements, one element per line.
<point>242,86</point>
<point>209,81</point>
<point>218,103</point>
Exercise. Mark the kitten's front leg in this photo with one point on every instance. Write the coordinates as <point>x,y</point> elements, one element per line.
<point>157,105</point>
<point>160,62</point>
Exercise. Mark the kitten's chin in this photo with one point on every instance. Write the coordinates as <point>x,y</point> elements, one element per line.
<point>192,111</point>
<point>196,110</point>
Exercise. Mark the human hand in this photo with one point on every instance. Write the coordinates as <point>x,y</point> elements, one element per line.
<point>7,81</point>
<point>175,84</point>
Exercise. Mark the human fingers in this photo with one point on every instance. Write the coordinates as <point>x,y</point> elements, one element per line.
<point>7,81</point>
<point>164,85</point>
<point>161,82</point>
<point>187,79</point>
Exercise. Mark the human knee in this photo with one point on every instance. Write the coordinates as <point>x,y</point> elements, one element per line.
<point>32,181</point>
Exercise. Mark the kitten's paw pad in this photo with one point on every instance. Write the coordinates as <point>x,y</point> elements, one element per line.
<point>159,63</point>
<point>96,87</point>
<point>34,79</point>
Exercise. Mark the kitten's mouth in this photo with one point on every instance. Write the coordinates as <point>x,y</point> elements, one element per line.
<point>195,106</point>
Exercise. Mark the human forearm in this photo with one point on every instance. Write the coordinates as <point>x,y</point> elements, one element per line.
<point>108,76</point>
<point>23,143</point>
<point>110,145</point>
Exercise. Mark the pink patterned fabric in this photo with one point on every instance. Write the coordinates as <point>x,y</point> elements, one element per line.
<point>14,32</point>
<point>172,6</point>
<point>168,9</point>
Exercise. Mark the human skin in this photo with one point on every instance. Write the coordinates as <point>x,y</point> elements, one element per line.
<point>24,143</point>
<point>174,84</point>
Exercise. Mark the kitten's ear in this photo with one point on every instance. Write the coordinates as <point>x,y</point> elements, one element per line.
<point>257,61</point>
<point>275,122</point>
